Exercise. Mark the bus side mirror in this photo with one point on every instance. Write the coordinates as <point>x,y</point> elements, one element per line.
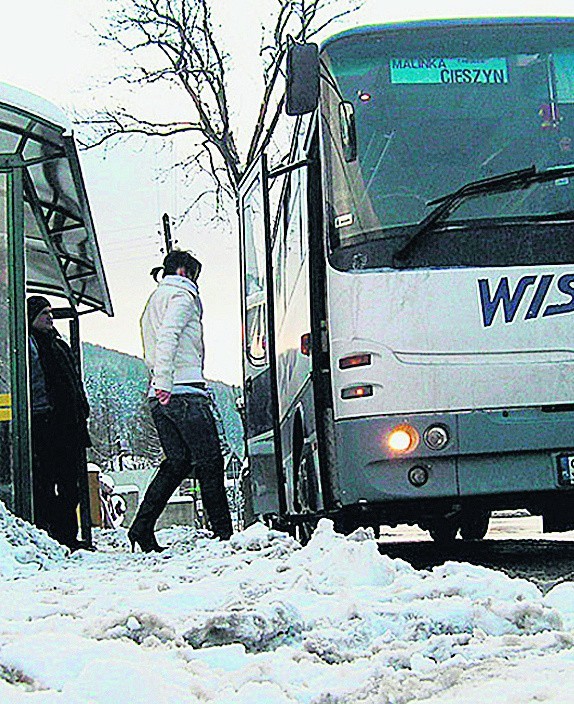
<point>302,78</point>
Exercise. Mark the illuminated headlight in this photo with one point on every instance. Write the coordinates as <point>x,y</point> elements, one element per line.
<point>436,437</point>
<point>402,439</point>
<point>418,476</point>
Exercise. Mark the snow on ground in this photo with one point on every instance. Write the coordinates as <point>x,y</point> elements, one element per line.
<point>260,620</point>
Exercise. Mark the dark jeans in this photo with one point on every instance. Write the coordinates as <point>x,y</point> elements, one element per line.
<point>189,439</point>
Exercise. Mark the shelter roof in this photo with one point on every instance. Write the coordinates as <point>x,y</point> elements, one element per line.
<point>62,253</point>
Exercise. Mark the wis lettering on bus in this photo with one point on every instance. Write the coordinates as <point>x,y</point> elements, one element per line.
<point>510,302</point>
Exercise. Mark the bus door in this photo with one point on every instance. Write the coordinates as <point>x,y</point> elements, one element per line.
<point>259,368</point>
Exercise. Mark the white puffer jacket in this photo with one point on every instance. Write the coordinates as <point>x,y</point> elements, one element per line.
<point>172,333</point>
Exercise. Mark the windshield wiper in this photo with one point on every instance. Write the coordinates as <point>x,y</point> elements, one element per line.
<point>447,204</point>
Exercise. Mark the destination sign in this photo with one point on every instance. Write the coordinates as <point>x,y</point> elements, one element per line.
<point>434,70</point>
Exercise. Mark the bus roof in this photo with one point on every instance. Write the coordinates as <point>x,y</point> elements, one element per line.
<point>372,29</point>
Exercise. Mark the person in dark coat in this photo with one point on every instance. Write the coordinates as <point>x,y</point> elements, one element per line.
<point>59,426</point>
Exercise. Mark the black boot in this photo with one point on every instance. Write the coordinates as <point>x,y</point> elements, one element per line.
<point>165,482</point>
<point>137,535</point>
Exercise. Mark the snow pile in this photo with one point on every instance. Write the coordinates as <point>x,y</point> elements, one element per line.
<point>259,620</point>
<point>263,628</point>
<point>561,597</point>
<point>24,549</point>
<point>339,599</point>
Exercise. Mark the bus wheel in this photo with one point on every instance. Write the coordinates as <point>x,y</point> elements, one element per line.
<point>443,530</point>
<point>474,525</point>
<point>274,522</point>
<point>305,530</point>
<point>346,523</point>
<point>306,497</point>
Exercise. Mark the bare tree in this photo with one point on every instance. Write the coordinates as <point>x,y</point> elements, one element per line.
<point>175,43</point>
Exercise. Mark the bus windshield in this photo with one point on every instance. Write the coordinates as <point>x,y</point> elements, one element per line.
<point>411,115</point>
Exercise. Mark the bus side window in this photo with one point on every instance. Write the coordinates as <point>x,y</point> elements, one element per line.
<point>255,279</point>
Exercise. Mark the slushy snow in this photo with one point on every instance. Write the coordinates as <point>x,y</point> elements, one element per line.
<point>261,620</point>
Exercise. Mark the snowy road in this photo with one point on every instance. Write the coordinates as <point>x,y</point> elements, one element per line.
<point>514,544</point>
<point>260,620</point>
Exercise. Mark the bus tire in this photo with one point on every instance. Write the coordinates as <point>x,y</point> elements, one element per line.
<point>346,523</point>
<point>306,490</point>
<point>443,530</point>
<point>474,524</point>
<point>305,530</point>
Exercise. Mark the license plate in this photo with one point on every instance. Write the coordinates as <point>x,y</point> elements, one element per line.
<point>566,469</point>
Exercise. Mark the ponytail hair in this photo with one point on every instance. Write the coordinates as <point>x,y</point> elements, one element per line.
<point>155,271</point>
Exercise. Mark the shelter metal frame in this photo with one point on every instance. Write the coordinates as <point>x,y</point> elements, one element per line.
<point>50,248</point>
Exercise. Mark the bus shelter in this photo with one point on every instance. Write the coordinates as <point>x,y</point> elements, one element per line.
<point>47,246</point>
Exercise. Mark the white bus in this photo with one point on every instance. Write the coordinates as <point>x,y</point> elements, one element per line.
<point>408,281</point>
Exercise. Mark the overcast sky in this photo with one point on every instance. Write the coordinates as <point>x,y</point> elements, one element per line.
<point>51,49</point>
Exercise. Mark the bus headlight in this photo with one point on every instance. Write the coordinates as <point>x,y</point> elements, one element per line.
<point>436,437</point>
<point>402,439</point>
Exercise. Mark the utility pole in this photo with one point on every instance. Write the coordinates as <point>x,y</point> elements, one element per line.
<point>167,233</point>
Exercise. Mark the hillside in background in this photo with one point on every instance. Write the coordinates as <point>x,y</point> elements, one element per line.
<point>120,422</point>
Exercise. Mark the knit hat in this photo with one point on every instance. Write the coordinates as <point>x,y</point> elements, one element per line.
<point>35,305</point>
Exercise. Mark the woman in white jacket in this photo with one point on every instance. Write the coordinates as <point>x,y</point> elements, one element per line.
<point>172,336</point>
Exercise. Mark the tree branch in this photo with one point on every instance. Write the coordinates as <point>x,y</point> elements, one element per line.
<point>173,43</point>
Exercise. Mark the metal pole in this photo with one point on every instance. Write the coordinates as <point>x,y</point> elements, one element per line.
<point>21,452</point>
<point>83,484</point>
